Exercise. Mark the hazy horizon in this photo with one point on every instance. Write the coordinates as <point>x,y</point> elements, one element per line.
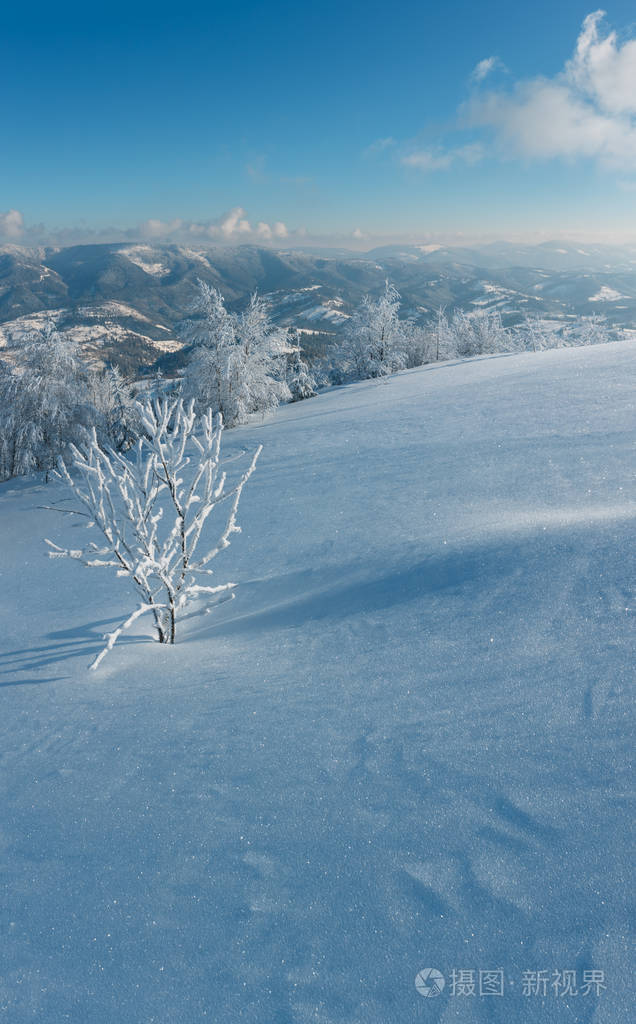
<point>69,238</point>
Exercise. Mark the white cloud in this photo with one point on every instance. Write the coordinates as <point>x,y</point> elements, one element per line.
<point>234,223</point>
<point>587,110</point>
<point>358,234</point>
<point>427,160</point>
<point>276,230</point>
<point>160,228</point>
<point>11,224</point>
<point>231,226</point>
<point>440,159</point>
<point>471,153</point>
<point>380,145</point>
<point>604,70</point>
<point>485,67</point>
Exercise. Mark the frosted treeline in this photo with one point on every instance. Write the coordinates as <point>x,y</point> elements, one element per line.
<point>239,364</point>
<point>378,341</point>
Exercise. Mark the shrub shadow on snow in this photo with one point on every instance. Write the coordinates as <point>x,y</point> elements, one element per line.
<point>31,682</point>
<point>81,641</point>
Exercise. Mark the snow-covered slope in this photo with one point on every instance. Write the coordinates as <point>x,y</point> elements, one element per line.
<point>404,745</point>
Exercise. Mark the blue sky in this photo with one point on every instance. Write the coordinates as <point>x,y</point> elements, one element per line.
<point>335,123</point>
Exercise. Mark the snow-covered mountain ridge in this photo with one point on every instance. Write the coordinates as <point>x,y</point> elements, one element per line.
<point>89,288</point>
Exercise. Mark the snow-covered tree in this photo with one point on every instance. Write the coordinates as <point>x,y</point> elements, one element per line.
<point>117,413</point>
<point>300,380</point>
<point>212,335</point>
<point>443,337</point>
<point>264,349</point>
<point>374,340</point>
<point>587,330</point>
<point>365,353</point>
<point>238,361</point>
<point>535,334</point>
<point>51,397</point>
<point>479,332</point>
<point>45,401</point>
<point>154,507</point>
<point>420,344</point>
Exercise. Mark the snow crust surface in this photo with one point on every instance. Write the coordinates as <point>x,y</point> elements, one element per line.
<point>405,744</point>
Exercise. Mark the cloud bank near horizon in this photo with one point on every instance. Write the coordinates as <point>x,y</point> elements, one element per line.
<point>231,227</point>
<point>234,228</point>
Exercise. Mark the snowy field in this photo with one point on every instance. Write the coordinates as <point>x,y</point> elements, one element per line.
<point>405,744</point>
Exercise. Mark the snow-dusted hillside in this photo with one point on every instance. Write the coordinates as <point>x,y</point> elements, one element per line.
<point>404,745</point>
<point>108,331</point>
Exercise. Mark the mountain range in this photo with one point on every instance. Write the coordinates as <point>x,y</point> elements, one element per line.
<point>125,302</point>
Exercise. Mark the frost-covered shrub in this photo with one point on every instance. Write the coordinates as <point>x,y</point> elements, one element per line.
<point>153,510</point>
